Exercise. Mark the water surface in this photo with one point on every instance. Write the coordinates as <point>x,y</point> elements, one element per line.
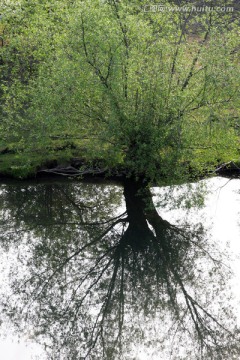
<point>105,271</point>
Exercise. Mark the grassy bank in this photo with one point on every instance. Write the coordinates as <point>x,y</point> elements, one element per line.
<point>82,154</point>
<point>29,163</point>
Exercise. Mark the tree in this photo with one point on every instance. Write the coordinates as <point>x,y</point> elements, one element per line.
<point>28,30</point>
<point>150,92</point>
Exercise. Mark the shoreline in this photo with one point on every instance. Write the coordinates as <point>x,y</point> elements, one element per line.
<point>76,168</point>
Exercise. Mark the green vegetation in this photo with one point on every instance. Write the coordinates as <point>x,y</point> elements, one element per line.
<point>153,93</point>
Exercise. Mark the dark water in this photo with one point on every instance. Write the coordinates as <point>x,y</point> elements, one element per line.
<point>97,271</point>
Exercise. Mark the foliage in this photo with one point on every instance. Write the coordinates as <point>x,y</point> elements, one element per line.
<point>149,91</point>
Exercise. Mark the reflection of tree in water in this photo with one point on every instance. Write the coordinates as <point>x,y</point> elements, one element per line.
<point>50,208</point>
<point>103,284</point>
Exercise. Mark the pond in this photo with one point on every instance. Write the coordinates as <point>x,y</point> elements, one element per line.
<point>100,270</point>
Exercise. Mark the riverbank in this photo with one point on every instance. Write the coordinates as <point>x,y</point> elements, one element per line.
<point>68,163</point>
<point>59,162</point>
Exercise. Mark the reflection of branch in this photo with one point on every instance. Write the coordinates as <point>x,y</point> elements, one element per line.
<point>76,253</point>
<point>83,223</point>
<point>93,268</point>
<point>179,323</point>
<point>80,206</point>
<point>214,260</point>
<point>121,302</point>
<point>193,307</point>
<point>91,286</point>
<point>104,309</point>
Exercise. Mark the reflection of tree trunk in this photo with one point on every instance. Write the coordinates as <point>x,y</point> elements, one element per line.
<point>141,211</point>
<point>138,232</point>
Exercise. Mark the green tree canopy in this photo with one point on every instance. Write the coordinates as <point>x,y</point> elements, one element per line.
<point>154,92</point>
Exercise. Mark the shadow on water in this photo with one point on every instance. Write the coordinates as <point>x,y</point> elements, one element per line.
<point>93,279</point>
